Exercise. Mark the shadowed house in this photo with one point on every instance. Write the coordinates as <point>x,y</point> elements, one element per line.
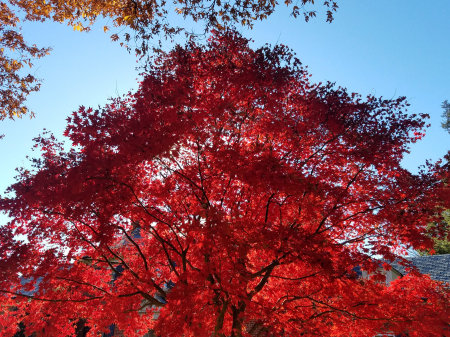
<point>436,266</point>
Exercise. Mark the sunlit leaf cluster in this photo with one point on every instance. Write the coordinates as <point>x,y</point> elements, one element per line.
<point>16,56</point>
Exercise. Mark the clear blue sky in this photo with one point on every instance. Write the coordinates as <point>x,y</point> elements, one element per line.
<point>386,48</point>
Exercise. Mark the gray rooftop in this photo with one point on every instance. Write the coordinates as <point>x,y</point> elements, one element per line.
<point>437,266</point>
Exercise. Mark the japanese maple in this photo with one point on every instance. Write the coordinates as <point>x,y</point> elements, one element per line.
<point>227,190</point>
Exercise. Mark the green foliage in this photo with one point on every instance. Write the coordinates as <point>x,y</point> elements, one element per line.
<point>441,233</point>
<point>441,241</point>
<point>446,115</point>
<point>442,246</point>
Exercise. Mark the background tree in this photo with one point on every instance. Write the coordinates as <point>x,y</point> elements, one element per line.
<point>442,246</point>
<point>446,116</point>
<point>15,54</point>
<point>146,19</point>
<point>230,179</point>
<point>440,232</point>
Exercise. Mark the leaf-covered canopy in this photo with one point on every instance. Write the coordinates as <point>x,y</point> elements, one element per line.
<point>227,190</point>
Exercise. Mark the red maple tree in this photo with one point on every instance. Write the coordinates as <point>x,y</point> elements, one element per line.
<point>228,190</point>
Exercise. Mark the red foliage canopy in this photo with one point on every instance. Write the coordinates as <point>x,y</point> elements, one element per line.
<point>233,181</point>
